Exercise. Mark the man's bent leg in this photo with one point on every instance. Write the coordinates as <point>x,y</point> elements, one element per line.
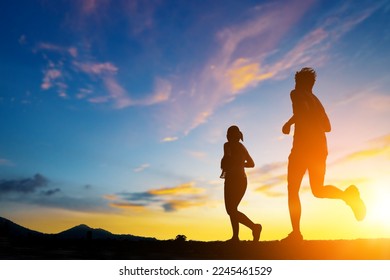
<point>351,195</point>
<point>317,169</point>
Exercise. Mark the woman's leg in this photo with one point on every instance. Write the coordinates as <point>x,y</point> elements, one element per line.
<point>231,204</point>
<point>234,192</point>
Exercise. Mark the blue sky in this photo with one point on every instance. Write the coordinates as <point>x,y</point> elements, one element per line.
<point>121,107</point>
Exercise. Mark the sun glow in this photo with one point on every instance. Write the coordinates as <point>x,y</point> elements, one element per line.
<point>379,208</point>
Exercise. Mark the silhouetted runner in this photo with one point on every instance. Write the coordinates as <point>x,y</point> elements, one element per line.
<point>233,163</point>
<point>309,152</point>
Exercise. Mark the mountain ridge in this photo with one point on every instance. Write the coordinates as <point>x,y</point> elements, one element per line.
<point>17,242</point>
<point>10,229</point>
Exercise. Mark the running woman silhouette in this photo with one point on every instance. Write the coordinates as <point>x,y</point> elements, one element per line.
<point>235,159</point>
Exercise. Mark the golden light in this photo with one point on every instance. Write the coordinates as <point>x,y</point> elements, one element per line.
<point>378,208</point>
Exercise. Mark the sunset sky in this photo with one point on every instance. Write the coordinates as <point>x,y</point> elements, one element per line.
<point>114,113</point>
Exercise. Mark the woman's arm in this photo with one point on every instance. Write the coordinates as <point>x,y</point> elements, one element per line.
<point>248,161</point>
<point>224,158</point>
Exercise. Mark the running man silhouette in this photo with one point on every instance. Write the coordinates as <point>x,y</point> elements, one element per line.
<point>233,163</point>
<point>309,152</point>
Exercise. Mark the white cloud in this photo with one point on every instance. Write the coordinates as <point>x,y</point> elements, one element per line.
<point>116,92</point>
<point>169,139</point>
<point>141,168</point>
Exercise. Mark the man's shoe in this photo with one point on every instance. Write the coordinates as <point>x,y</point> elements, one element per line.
<point>352,198</point>
<point>293,237</point>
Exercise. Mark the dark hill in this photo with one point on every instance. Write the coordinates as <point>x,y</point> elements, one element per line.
<point>84,242</point>
<point>85,232</point>
<point>10,229</point>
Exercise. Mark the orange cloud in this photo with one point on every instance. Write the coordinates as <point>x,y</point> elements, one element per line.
<point>267,190</point>
<point>269,183</point>
<point>379,147</point>
<point>129,206</point>
<point>187,188</point>
<point>244,74</point>
<point>369,153</point>
<point>169,199</point>
<point>110,196</point>
<point>268,177</point>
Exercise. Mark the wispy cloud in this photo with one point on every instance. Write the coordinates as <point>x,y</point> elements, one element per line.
<point>96,68</point>
<point>268,189</point>
<point>187,188</point>
<point>26,185</point>
<point>162,92</point>
<point>110,197</point>
<point>39,190</point>
<point>169,139</point>
<point>141,168</point>
<point>250,53</point>
<point>168,199</point>
<point>51,192</point>
<point>267,178</point>
<point>121,97</point>
<point>271,179</point>
<point>245,55</point>
<point>54,76</point>
<point>105,73</point>
<point>58,200</point>
<point>117,93</point>
<point>136,207</point>
<point>57,48</point>
<point>197,154</point>
<point>376,148</point>
<point>50,77</point>
<point>244,74</point>
<point>228,73</point>
<point>175,205</point>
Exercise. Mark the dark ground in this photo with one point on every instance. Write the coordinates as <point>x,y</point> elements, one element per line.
<point>52,249</point>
